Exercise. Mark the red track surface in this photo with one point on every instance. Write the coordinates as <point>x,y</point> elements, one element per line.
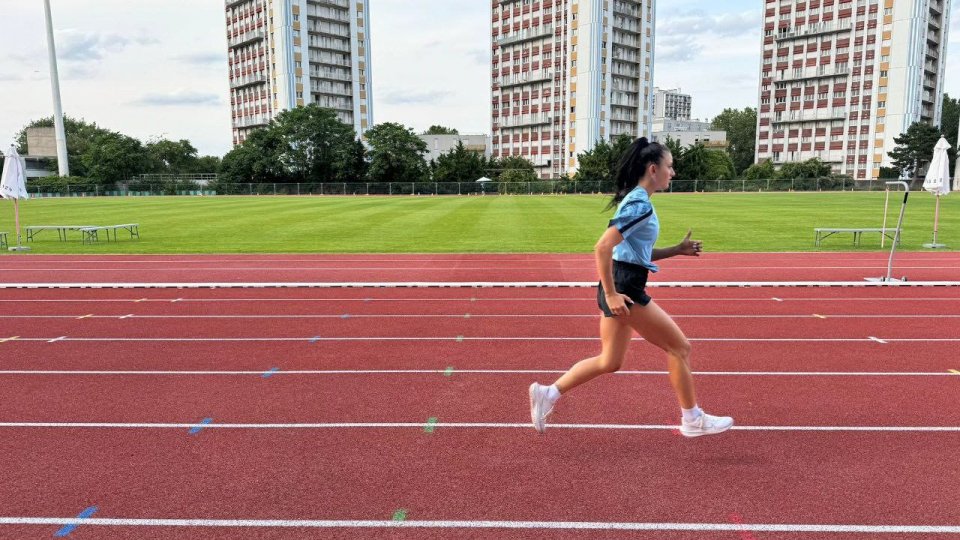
<point>471,473</point>
<point>917,266</point>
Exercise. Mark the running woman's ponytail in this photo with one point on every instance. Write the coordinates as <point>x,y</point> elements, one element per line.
<point>633,165</point>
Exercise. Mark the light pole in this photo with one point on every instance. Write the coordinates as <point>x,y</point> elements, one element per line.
<point>63,163</point>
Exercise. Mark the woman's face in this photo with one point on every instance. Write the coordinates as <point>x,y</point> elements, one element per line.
<point>661,173</point>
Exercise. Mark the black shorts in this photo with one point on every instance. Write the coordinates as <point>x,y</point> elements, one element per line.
<point>629,279</point>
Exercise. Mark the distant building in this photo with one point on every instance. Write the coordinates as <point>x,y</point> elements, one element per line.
<point>688,132</point>
<point>443,144</point>
<point>840,79</point>
<point>286,53</point>
<point>566,74</point>
<point>671,104</point>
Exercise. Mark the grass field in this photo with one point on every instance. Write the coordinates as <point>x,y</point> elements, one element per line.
<point>724,221</point>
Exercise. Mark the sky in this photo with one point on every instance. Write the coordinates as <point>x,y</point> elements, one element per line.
<point>158,68</point>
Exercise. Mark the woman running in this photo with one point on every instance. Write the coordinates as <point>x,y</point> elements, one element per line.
<point>625,256</point>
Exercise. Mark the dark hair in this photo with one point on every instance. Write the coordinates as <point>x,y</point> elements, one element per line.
<point>633,165</point>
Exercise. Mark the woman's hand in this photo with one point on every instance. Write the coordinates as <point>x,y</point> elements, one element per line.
<point>690,247</point>
<point>619,303</point>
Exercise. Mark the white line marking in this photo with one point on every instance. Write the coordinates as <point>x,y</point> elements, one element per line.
<point>476,372</point>
<point>465,338</point>
<point>452,524</point>
<point>460,284</point>
<point>481,316</point>
<point>878,340</point>
<point>463,425</point>
<point>54,340</point>
<point>775,299</point>
<point>660,299</point>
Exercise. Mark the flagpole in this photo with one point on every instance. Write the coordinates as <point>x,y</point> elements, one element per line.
<point>63,164</point>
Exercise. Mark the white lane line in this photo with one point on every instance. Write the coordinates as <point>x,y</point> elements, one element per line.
<point>54,340</point>
<point>878,340</point>
<point>286,373</point>
<point>465,425</point>
<point>464,338</point>
<point>496,268</point>
<point>660,299</point>
<point>481,316</point>
<point>454,524</point>
<point>469,285</point>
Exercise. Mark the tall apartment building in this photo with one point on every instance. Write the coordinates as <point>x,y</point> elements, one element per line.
<point>286,53</point>
<point>567,74</point>
<point>671,104</point>
<point>841,78</point>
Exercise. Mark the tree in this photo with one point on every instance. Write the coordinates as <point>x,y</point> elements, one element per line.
<point>169,157</point>
<point>440,130</point>
<point>693,163</point>
<point>949,120</point>
<point>113,157</point>
<point>396,154</point>
<point>914,148</point>
<point>256,159</point>
<point>80,134</point>
<point>317,146</point>
<point>741,128</point>
<point>760,171</point>
<point>595,165</point>
<point>458,165</point>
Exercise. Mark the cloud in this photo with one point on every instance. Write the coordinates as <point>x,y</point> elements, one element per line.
<point>203,59</point>
<point>408,97</point>
<point>677,48</point>
<point>696,23</point>
<point>76,46</point>
<point>179,99</point>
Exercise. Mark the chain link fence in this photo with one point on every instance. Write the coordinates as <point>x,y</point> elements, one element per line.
<point>542,187</point>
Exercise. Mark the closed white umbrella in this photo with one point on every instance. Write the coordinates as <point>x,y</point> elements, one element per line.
<point>13,185</point>
<point>937,182</point>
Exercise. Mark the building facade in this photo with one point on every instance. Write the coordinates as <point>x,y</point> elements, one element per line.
<point>567,74</point>
<point>671,104</point>
<point>437,145</point>
<point>841,78</point>
<point>688,132</point>
<point>287,53</point>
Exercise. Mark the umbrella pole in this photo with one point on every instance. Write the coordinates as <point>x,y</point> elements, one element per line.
<point>936,219</point>
<point>16,218</point>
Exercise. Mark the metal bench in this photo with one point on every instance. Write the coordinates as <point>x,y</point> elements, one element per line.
<point>91,234</point>
<point>824,232</point>
<point>61,230</point>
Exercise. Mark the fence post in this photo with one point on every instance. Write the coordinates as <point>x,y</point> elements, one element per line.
<point>743,186</point>
<point>793,184</point>
<point>458,189</point>
<point>695,181</point>
<point>390,188</point>
<point>368,188</point>
<point>768,184</point>
<point>344,188</point>
<point>274,188</point>
<point>251,188</point>
<point>298,188</point>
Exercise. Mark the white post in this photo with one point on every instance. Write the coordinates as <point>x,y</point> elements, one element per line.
<point>62,161</point>
<point>886,203</point>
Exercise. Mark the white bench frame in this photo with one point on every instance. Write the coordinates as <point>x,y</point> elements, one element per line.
<point>824,232</point>
<point>61,230</point>
<point>90,234</point>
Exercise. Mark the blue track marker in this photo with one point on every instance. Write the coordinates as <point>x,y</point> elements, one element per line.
<point>345,316</point>
<point>67,529</point>
<point>314,339</point>
<point>196,429</point>
<point>270,372</point>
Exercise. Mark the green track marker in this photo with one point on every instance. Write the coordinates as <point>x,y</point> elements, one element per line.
<point>448,372</point>
<point>431,424</point>
<point>400,514</point>
<point>459,339</point>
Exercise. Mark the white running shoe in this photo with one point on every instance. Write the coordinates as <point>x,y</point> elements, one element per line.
<point>540,406</point>
<point>705,424</point>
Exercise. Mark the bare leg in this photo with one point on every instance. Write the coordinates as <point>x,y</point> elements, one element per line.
<point>615,334</point>
<point>656,326</point>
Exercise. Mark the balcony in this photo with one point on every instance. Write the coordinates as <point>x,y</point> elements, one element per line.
<point>525,120</point>
<point>531,34</point>
<point>252,121</point>
<point>246,38</point>
<point>248,80</point>
<point>820,73</point>
<point>813,30</point>
<point>526,78</point>
<point>810,116</point>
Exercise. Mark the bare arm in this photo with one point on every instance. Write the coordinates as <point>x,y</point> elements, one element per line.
<point>685,247</point>
<point>603,252</point>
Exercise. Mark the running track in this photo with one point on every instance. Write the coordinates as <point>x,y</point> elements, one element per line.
<point>401,412</point>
